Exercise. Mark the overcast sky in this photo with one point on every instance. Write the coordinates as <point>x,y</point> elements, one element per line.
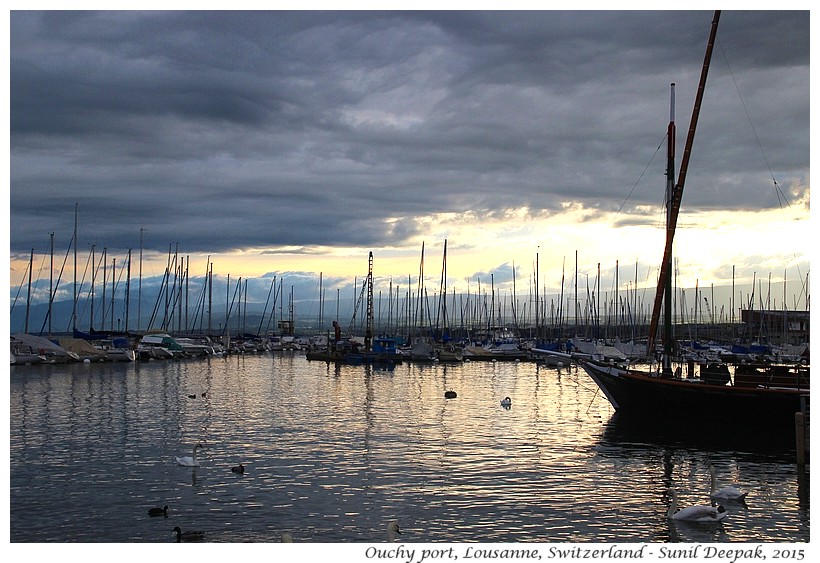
<point>296,141</point>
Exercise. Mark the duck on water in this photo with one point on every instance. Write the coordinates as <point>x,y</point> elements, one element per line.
<point>188,536</point>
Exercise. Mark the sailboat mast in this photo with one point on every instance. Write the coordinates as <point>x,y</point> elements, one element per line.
<point>139,289</point>
<point>677,194</point>
<point>74,310</point>
<point>670,190</point>
<point>104,280</point>
<point>128,291</point>
<point>113,288</point>
<point>93,284</point>
<point>51,284</point>
<point>28,294</point>
<point>537,304</point>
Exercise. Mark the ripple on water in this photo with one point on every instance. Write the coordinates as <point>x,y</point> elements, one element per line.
<point>332,453</point>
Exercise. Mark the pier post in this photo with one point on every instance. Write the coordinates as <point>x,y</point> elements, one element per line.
<point>800,436</point>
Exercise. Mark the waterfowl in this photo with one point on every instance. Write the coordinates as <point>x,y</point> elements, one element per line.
<point>238,469</point>
<point>393,530</point>
<point>286,537</point>
<point>450,395</point>
<point>728,492</point>
<point>158,511</point>
<point>192,396</point>
<point>189,461</point>
<point>188,536</point>
<point>697,513</point>
<point>506,402</point>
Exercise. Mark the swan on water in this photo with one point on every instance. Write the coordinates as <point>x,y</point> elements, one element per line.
<point>506,402</point>
<point>728,492</point>
<point>189,461</point>
<point>697,513</point>
<point>393,530</point>
<point>188,536</point>
<point>238,469</point>
<point>158,511</point>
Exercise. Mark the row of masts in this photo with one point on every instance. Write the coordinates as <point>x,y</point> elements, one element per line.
<point>172,309</point>
<point>445,312</point>
<point>597,314</point>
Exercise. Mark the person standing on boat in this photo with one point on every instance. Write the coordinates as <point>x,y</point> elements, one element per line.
<point>337,331</point>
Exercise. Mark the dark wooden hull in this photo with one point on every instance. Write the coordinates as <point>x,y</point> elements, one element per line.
<point>690,400</point>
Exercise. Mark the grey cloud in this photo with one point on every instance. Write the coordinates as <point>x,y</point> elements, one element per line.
<point>226,130</point>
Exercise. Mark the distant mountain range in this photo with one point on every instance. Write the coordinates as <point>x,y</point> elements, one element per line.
<point>305,316</point>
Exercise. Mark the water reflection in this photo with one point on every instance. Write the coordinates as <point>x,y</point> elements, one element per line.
<point>334,452</point>
<point>635,431</point>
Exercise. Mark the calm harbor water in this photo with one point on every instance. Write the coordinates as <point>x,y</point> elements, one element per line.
<point>332,453</point>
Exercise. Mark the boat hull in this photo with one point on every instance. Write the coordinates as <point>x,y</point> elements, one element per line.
<point>692,399</point>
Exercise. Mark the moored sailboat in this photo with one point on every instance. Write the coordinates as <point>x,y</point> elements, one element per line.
<point>712,394</point>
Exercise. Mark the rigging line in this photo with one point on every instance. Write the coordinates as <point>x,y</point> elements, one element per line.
<point>657,150</point>
<point>778,191</point>
<point>589,406</point>
<point>82,283</point>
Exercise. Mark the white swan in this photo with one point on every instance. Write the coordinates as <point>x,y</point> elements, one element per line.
<point>392,530</point>
<point>728,492</point>
<point>697,513</point>
<point>189,461</point>
<point>506,402</point>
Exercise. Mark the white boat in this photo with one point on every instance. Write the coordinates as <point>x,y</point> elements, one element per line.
<point>158,346</point>
<point>196,346</point>
<point>27,348</point>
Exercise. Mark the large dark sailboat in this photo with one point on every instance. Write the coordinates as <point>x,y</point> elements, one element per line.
<point>770,395</point>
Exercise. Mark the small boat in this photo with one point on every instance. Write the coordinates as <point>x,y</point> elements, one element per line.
<point>31,349</point>
<point>158,346</point>
<point>383,350</point>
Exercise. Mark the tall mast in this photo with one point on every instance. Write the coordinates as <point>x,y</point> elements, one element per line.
<point>139,289</point>
<point>93,284</point>
<point>368,335</point>
<point>537,306</point>
<point>104,280</point>
<point>675,199</point>
<point>128,291</point>
<point>670,190</point>
<point>576,293</point>
<point>51,284</point>
<point>74,310</point>
<point>28,295</point>
<point>113,288</point>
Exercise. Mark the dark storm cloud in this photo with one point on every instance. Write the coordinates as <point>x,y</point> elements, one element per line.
<point>228,130</point>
